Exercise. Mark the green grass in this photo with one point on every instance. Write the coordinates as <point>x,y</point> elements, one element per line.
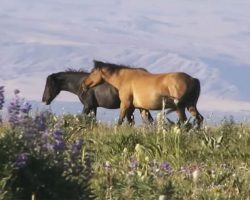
<point>210,163</point>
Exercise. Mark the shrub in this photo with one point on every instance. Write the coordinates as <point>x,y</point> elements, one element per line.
<point>37,162</point>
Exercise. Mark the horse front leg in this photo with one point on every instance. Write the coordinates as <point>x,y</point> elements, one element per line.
<point>88,110</point>
<point>130,116</point>
<point>124,106</point>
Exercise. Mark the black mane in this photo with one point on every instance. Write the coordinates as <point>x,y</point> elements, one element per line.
<point>112,68</point>
<point>76,70</point>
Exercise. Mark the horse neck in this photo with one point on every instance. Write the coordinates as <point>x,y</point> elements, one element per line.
<point>113,79</point>
<point>71,81</point>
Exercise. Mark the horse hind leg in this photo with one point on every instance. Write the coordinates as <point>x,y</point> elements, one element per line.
<point>146,116</point>
<point>181,114</point>
<point>195,113</point>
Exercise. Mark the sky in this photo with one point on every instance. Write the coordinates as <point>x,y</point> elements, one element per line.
<point>210,40</point>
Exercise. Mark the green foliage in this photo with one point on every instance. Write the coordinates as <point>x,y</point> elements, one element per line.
<point>39,163</point>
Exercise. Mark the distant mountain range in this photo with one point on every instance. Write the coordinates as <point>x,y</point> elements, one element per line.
<point>209,40</point>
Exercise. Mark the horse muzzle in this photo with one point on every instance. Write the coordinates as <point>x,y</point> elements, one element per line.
<point>46,102</point>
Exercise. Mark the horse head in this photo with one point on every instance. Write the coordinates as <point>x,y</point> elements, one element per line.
<point>51,89</point>
<point>93,79</point>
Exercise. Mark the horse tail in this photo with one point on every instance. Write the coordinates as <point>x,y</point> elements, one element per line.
<point>192,94</point>
<point>196,91</point>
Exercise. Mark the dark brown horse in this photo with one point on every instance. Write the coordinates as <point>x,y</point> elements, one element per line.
<point>103,95</point>
<point>141,89</point>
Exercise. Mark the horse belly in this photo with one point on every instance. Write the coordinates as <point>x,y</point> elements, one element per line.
<point>107,97</point>
<point>148,101</point>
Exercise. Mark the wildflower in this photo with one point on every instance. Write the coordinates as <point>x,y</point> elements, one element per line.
<point>88,159</point>
<point>107,166</point>
<point>58,134</point>
<point>159,117</point>
<point>1,100</point>
<point>137,147</point>
<point>147,159</point>
<point>162,197</point>
<point>133,164</point>
<point>18,109</point>
<point>165,166</point>
<point>76,147</point>
<point>21,160</point>
<point>49,146</point>
<point>40,121</point>
<point>177,130</point>
<point>195,175</point>
<point>1,97</point>
<point>26,107</point>
<point>14,111</point>
<point>125,150</point>
<point>59,143</point>
<point>139,152</point>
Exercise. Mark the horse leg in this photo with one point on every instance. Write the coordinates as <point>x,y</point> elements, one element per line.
<point>124,106</point>
<point>87,110</point>
<point>94,110</point>
<point>181,114</point>
<point>130,116</point>
<point>146,116</point>
<point>195,113</point>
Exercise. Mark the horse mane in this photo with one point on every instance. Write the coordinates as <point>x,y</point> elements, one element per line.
<point>75,70</point>
<point>112,68</point>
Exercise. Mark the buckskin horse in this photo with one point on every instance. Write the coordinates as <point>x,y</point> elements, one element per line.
<point>103,95</point>
<point>140,89</point>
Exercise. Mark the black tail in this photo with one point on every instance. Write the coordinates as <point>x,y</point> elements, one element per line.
<point>196,91</point>
<point>192,94</point>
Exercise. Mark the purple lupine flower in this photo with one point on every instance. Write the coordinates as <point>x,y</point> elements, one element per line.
<point>58,134</point>
<point>76,147</point>
<point>1,100</point>
<point>45,135</point>
<point>88,159</point>
<point>21,160</point>
<point>59,143</point>
<point>26,107</point>
<point>14,111</point>
<point>18,109</point>
<point>40,122</point>
<point>48,146</point>
<point>1,97</point>
<point>165,166</point>
<point>133,164</point>
<point>45,142</point>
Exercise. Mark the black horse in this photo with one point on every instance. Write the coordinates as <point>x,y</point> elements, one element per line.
<point>103,95</point>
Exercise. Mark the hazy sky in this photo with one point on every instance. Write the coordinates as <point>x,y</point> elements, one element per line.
<point>207,39</point>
